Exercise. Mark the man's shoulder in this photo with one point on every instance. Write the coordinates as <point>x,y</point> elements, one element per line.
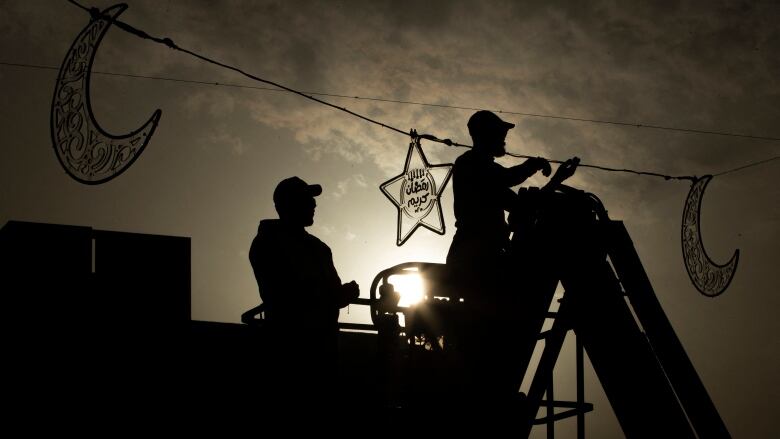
<point>268,227</point>
<point>273,233</point>
<point>464,161</point>
<point>465,157</point>
<point>472,160</point>
<point>315,242</point>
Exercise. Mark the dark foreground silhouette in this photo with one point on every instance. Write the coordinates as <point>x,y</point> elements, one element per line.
<point>481,262</point>
<point>99,321</point>
<point>302,294</point>
<point>607,302</point>
<point>468,345</point>
<point>99,314</point>
<point>121,331</point>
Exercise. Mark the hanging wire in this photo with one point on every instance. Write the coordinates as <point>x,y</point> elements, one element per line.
<point>749,165</point>
<point>96,14</point>
<point>402,102</point>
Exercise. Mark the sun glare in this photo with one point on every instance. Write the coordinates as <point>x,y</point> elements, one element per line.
<point>410,286</point>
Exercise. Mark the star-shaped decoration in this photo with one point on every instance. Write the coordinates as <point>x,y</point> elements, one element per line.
<point>416,193</point>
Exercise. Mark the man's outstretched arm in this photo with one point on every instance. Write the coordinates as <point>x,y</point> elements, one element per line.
<point>519,173</point>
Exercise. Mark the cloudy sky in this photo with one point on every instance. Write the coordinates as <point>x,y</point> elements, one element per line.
<point>211,166</point>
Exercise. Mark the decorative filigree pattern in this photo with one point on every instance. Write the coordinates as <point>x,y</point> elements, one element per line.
<point>709,278</point>
<point>88,153</point>
<point>416,193</point>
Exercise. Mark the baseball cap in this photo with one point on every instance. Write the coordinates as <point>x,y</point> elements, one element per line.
<point>294,188</point>
<point>484,120</point>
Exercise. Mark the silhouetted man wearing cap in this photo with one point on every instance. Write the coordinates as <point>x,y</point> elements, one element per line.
<point>301,291</point>
<point>478,256</point>
<point>482,190</point>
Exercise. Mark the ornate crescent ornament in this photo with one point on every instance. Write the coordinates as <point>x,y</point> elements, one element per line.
<point>709,278</point>
<point>87,152</point>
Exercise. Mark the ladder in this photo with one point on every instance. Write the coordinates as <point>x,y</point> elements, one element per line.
<point>640,362</point>
<point>542,383</point>
<point>610,306</point>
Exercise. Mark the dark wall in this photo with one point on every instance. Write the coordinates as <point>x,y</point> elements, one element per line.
<point>106,316</point>
<point>143,280</point>
<point>45,272</point>
<point>69,276</point>
<point>88,311</point>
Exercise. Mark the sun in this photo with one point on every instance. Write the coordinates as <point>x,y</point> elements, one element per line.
<point>410,286</point>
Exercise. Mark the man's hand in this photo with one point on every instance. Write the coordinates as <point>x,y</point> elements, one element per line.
<point>349,292</point>
<point>565,170</point>
<point>540,164</point>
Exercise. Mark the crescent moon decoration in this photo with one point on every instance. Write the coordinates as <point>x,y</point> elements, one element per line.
<point>87,152</point>
<point>708,277</point>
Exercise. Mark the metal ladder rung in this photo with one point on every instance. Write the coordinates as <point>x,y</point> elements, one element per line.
<point>586,407</point>
<point>554,339</point>
<point>545,334</point>
<point>569,405</point>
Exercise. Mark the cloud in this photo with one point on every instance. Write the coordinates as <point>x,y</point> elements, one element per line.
<point>701,68</point>
<point>324,229</point>
<point>342,187</point>
<point>222,137</point>
<point>670,64</point>
<point>704,65</point>
<point>360,180</point>
<point>595,62</point>
<point>215,102</point>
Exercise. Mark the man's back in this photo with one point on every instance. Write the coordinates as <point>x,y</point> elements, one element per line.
<point>480,197</point>
<point>302,294</point>
<point>296,277</point>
